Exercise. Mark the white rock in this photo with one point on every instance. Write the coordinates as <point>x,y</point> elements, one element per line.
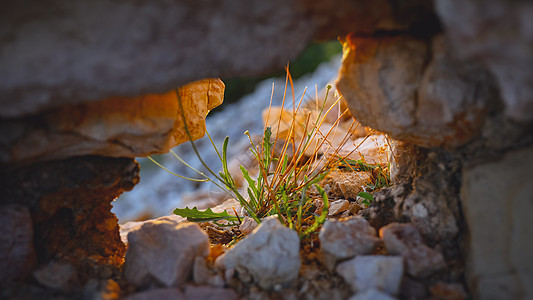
<point>135,225</point>
<point>248,225</point>
<point>165,251</point>
<point>200,273</point>
<point>372,294</point>
<point>345,239</point>
<point>338,207</point>
<point>160,294</point>
<point>405,240</point>
<point>270,254</point>
<point>373,272</point>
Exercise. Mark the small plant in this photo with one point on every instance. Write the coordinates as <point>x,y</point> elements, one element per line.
<point>284,183</point>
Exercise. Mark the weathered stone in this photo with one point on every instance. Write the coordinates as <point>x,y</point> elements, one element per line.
<point>200,273</point>
<point>270,255</point>
<point>17,254</point>
<point>405,240</point>
<point>379,78</point>
<point>345,185</point>
<point>248,225</point>
<point>56,275</point>
<point>346,238</point>
<point>372,294</point>
<point>497,199</point>
<point>164,251</point>
<point>373,272</point>
<point>403,161</point>
<point>70,203</point>
<point>497,33</point>
<point>128,227</point>
<point>209,293</point>
<point>373,149</point>
<point>338,206</point>
<point>91,57</point>
<point>161,293</point>
<point>388,87</point>
<point>115,127</point>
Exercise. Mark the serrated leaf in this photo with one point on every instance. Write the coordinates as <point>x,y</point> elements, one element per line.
<point>195,215</point>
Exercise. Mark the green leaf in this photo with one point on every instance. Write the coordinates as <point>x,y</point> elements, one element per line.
<point>195,215</point>
<point>322,218</point>
<point>366,196</point>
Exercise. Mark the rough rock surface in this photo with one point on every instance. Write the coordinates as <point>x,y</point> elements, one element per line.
<point>338,206</point>
<point>345,185</point>
<point>497,199</point>
<point>270,255</point>
<point>389,87</point>
<point>346,238</point>
<point>127,227</point>
<point>17,254</point>
<point>163,251</point>
<point>161,293</point>
<point>497,33</point>
<point>70,202</point>
<point>405,240</point>
<point>56,275</point>
<point>373,272</point>
<point>114,127</point>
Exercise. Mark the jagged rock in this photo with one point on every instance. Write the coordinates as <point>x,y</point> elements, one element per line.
<point>164,251</point>
<point>483,31</point>
<point>162,293</point>
<point>84,53</point>
<point>373,272</point>
<point>56,275</point>
<point>70,203</point>
<point>209,293</point>
<point>17,254</point>
<point>135,225</point>
<point>372,294</point>
<point>388,87</point>
<point>248,225</point>
<point>499,263</point>
<point>405,240</point>
<point>115,127</point>
<point>338,206</point>
<point>270,255</point>
<point>346,238</point>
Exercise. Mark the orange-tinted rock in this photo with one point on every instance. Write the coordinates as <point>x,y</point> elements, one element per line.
<point>70,203</point>
<point>115,127</point>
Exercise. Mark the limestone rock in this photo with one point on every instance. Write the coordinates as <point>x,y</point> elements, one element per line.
<point>70,203</point>
<point>499,263</point>
<point>164,251</point>
<point>209,293</point>
<point>346,238</point>
<point>403,161</point>
<point>405,240</point>
<point>372,294</point>
<point>84,53</point>
<point>128,227</point>
<point>115,127</point>
<point>497,33</point>
<point>161,293</point>
<point>200,273</point>
<point>379,78</point>
<point>338,206</point>
<point>373,272</point>
<point>270,255</point>
<point>248,225</point>
<point>388,87</point>
<point>17,253</point>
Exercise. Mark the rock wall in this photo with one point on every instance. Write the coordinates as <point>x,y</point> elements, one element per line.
<point>452,79</point>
